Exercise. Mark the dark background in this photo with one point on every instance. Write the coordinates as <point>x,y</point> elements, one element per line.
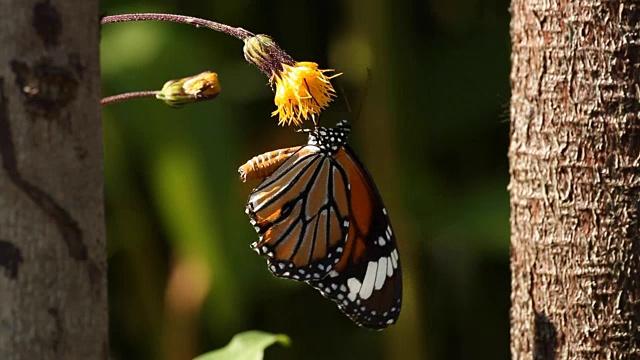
<point>431,125</point>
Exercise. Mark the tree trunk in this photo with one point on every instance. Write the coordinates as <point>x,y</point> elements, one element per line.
<point>575,179</point>
<point>53,302</point>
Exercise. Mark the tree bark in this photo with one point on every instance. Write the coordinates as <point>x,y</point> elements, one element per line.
<point>53,302</point>
<point>575,179</point>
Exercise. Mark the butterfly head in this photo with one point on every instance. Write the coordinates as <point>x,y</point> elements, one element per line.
<point>330,139</point>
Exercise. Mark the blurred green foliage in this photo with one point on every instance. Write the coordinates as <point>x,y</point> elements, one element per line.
<point>431,125</point>
<point>249,345</point>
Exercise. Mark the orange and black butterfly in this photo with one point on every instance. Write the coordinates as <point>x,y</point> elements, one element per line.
<point>321,220</point>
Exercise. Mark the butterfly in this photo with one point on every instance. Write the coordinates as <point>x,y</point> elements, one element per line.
<point>321,220</point>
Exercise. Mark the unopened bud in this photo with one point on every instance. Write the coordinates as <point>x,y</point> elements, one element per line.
<point>201,87</point>
<point>264,53</point>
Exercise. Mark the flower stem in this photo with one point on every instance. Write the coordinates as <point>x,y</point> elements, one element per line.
<point>127,96</point>
<point>236,32</point>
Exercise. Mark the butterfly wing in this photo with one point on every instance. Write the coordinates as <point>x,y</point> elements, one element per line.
<point>366,283</point>
<point>301,212</point>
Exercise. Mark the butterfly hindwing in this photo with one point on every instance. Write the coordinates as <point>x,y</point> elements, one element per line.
<point>367,281</point>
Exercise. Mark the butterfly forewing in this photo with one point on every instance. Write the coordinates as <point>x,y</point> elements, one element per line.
<point>300,212</point>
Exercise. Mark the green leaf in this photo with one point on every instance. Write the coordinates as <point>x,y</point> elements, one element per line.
<point>249,345</point>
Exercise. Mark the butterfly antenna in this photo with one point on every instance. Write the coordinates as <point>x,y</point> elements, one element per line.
<point>365,93</point>
<point>346,99</point>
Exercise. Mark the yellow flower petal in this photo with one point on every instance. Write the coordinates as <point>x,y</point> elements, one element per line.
<point>302,91</point>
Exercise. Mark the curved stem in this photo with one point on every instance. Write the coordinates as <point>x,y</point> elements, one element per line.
<point>128,96</point>
<point>236,32</point>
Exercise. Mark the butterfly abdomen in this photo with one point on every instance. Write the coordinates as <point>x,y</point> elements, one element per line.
<point>263,165</point>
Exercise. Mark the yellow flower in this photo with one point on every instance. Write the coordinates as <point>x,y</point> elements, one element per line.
<point>302,91</point>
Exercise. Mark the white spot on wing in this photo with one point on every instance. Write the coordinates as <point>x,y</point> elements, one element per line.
<point>369,280</point>
<point>394,263</point>
<point>354,286</point>
<point>381,241</point>
<point>333,273</point>
<point>389,267</point>
<point>381,275</point>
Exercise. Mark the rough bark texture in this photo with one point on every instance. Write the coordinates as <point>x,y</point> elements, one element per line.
<point>53,301</point>
<point>575,180</point>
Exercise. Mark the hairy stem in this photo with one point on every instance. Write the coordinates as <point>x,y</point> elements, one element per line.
<point>236,32</point>
<point>128,96</point>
